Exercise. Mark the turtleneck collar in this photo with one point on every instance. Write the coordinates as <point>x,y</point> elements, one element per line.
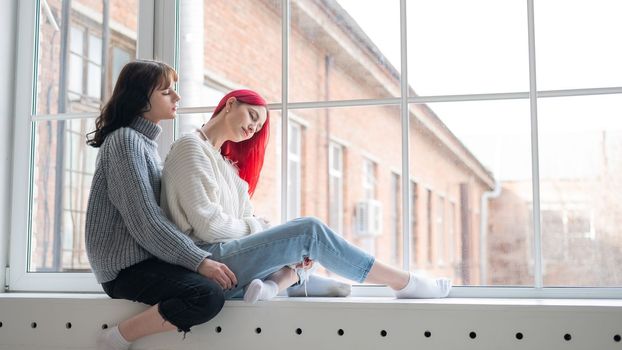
<point>146,127</point>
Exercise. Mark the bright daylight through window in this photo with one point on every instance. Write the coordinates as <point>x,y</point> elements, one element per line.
<point>469,186</point>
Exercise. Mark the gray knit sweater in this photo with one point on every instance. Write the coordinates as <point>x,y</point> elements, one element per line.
<point>124,223</point>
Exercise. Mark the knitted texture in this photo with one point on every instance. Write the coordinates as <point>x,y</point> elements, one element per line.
<point>124,223</point>
<point>203,194</point>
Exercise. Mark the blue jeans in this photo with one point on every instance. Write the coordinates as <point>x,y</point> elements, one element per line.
<point>184,297</point>
<point>261,254</point>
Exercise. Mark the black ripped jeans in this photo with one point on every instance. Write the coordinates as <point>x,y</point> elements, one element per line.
<point>185,298</point>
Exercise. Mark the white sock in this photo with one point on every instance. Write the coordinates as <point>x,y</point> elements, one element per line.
<point>111,339</point>
<point>424,288</point>
<point>260,290</point>
<point>320,287</point>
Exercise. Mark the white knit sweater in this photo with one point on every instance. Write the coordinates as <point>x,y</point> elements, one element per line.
<point>203,194</point>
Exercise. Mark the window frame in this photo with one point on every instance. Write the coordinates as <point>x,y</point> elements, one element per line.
<point>26,117</point>
<point>155,42</point>
<point>404,101</point>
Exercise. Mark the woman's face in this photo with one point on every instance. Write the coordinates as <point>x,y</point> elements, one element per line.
<point>163,101</point>
<point>244,120</point>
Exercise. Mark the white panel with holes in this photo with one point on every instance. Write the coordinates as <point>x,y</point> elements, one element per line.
<point>73,322</point>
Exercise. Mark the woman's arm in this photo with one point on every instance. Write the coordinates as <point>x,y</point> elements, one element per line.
<point>131,192</point>
<point>190,177</point>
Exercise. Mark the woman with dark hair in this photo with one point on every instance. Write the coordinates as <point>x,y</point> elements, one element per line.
<point>135,252</point>
<point>208,178</point>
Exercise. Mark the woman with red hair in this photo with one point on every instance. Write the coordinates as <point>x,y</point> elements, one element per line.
<point>207,181</point>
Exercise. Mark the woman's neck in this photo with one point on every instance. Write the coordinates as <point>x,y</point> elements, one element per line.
<point>215,131</point>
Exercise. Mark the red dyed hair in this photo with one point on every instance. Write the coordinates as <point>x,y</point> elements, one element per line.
<point>247,155</point>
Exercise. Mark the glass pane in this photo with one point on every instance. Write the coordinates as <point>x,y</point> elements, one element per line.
<point>119,58</point>
<point>577,44</point>
<point>63,171</point>
<point>460,152</point>
<point>229,44</point>
<point>94,80</point>
<point>267,198</point>
<point>370,133</point>
<point>95,49</point>
<point>580,164</point>
<point>77,40</point>
<point>85,17</point>
<point>344,50</point>
<point>465,47</point>
<point>76,73</point>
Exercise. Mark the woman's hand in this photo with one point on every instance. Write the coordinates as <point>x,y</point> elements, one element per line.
<point>218,272</point>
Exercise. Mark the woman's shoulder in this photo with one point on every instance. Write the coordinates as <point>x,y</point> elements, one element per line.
<point>187,144</point>
<point>188,140</point>
<point>188,150</point>
<point>124,137</point>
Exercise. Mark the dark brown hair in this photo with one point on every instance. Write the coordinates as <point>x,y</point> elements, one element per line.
<point>130,98</point>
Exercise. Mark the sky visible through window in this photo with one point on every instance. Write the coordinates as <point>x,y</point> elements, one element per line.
<point>481,46</point>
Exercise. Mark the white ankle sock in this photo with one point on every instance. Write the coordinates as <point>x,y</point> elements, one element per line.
<point>320,287</point>
<point>260,290</point>
<point>424,288</point>
<point>111,339</point>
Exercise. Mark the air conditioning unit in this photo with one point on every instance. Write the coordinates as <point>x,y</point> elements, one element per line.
<point>368,218</point>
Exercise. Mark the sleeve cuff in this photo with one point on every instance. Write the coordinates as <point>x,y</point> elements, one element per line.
<point>255,225</point>
<point>192,258</point>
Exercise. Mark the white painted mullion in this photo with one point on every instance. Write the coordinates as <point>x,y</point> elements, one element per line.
<point>26,67</point>
<point>405,114</point>
<point>424,99</point>
<point>580,92</point>
<point>535,164</point>
<point>164,49</point>
<point>285,11</point>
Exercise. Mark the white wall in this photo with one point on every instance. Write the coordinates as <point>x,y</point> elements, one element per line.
<point>74,321</point>
<point>7,67</point>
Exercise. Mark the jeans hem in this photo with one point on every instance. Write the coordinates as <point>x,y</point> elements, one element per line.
<point>167,319</point>
<point>372,259</point>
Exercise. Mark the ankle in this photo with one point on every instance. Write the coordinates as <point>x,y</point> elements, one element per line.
<point>124,331</point>
<point>401,282</point>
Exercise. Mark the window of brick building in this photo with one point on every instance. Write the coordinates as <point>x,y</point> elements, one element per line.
<point>335,183</point>
<point>395,217</point>
<point>294,178</point>
<point>414,223</point>
<point>440,231</point>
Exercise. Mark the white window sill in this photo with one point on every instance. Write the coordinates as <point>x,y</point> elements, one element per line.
<point>351,301</point>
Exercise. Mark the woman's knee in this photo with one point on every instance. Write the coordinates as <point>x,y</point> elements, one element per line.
<point>312,223</point>
<point>316,229</point>
<point>210,300</point>
<point>198,305</point>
